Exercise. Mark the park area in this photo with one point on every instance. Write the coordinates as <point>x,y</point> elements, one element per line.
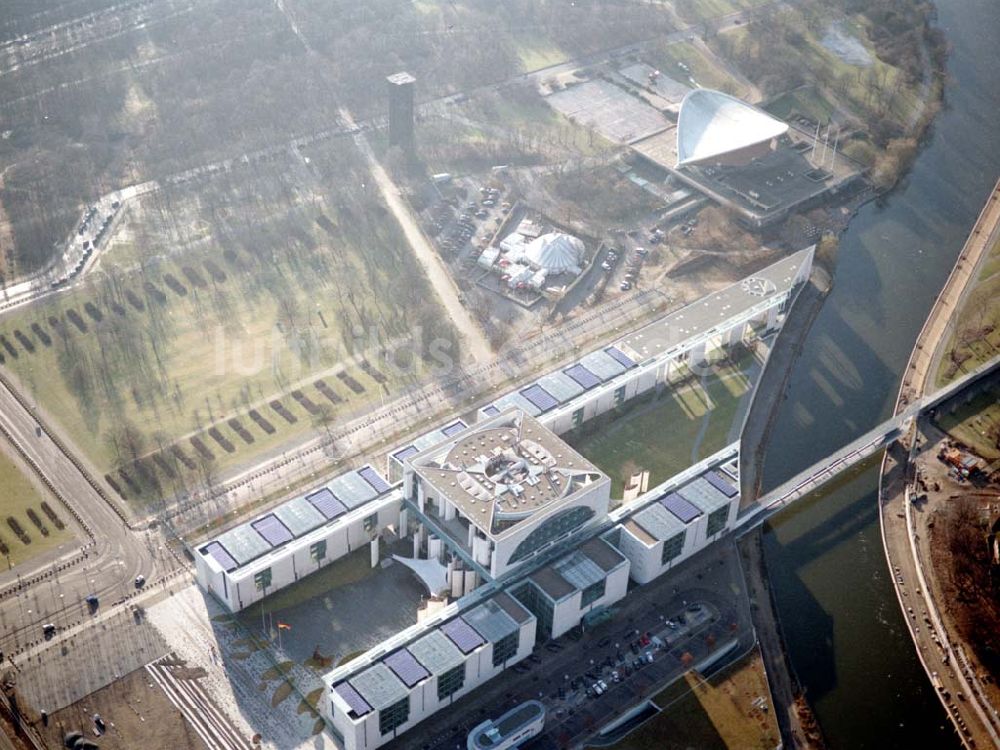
<point>32,521</point>
<point>975,331</point>
<point>672,429</point>
<point>728,711</point>
<point>230,315</point>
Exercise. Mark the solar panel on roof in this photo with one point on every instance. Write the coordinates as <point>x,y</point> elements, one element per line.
<point>219,554</point>
<point>273,530</point>
<point>539,397</point>
<point>491,410</point>
<point>454,428</point>
<point>374,479</point>
<point>462,635</point>
<point>583,376</point>
<point>685,511</point>
<point>410,450</point>
<point>326,503</point>
<point>715,479</point>
<point>353,698</point>
<point>619,356</point>
<point>405,667</point>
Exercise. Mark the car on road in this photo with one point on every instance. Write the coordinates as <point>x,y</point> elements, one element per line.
<point>48,630</point>
<point>140,581</point>
<point>604,642</point>
<point>625,286</point>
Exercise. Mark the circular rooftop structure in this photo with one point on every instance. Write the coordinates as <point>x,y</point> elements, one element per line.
<point>715,127</point>
<point>555,252</point>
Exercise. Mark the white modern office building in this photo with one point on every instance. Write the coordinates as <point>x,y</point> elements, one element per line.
<point>695,334</point>
<point>560,595</point>
<point>506,489</point>
<point>674,522</point>
<point>260,556</point>
<point>368,707</point>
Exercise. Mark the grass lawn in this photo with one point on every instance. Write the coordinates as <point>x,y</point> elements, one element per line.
<point>991,265</point>
<point>660,434</point>
<point>537,52</point>
<point>718,713</point>
<point>806,101</point>
<point>21,494</point>
<point>976,423</point>
<point>975,337</point>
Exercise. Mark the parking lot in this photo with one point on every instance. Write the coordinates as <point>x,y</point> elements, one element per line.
<point>706,603</point>
<point>465,216</point>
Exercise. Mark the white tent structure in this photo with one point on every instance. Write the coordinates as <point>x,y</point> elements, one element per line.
<point>555,252</point>
<point>712,126</point>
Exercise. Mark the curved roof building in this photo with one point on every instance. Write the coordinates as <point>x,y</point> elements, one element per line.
<point>717,128</point>
<point>555,252</point>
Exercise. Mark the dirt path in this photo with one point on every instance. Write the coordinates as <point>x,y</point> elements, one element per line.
<point>437,273</point>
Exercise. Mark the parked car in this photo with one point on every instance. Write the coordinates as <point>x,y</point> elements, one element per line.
<point>625,286</point>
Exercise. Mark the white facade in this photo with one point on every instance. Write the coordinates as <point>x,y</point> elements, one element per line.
<point>672,522</point>
<point>593,576</point>
<point>609,377</point>
<point>241,566</point>
<point>375,704</point>
<point>504,523</point>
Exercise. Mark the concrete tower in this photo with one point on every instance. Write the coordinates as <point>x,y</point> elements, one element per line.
<point>401,111</point>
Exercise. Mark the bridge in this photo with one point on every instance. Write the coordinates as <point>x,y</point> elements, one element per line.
<point>856,451</point>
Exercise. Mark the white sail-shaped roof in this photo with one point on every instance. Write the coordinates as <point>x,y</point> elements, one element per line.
<point>555,252</point>
<point>711,124</point>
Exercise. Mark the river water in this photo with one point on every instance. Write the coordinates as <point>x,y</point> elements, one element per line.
<point>845,634</point>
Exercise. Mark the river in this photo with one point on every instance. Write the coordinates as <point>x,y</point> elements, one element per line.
<point>845,634</point>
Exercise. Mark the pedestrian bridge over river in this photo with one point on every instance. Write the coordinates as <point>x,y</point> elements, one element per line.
<point>856,451</point>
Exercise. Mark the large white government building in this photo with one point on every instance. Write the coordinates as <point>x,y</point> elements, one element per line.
<point>520,521</point>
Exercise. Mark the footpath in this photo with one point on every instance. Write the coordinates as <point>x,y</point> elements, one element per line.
<point>943,657</point>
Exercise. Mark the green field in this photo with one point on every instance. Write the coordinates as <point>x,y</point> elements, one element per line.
<point>991,264</point>
<point>806,100</point>
<point>704,715</point>
<point>21,494</point>
<point>514,126</point>
<point>665,434</point>
<point>311,278</point>
<point>975,334</point>
<point>536,52</point>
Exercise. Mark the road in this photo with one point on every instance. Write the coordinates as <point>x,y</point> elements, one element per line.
<point>114,556</point>
<point>940,651</point>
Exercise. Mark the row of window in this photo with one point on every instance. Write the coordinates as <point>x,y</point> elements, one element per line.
<point>672,548</point>
<point>716,521</point>
<point>448,684</point>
